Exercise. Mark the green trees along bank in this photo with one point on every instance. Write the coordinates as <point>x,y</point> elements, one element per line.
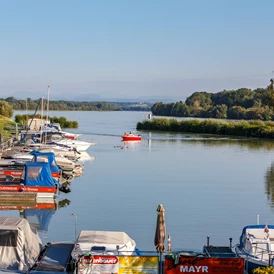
<point>242,104</point>
<point>252,128</point>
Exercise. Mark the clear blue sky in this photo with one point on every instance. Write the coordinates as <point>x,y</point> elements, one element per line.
<point>132,48</point>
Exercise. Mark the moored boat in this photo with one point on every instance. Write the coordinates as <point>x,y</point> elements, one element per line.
<point>131,137</point>
<point>256,246</point>
<point>20,244</point>
<point>36,178</point>
<point>99,250</point>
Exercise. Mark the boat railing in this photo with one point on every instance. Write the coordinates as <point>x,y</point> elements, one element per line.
<point>261,254</point>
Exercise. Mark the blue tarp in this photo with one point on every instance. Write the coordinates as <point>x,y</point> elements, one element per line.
<point>38,174</point>
<point>51,159</point>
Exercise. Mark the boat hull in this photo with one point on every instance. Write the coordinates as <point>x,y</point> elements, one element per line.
<point>250,262</point>
<point>17,173</point>
<point>131,138</point>
<point>41,192</point>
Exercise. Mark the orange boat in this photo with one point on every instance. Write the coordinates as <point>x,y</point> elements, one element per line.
<point>131,137</point>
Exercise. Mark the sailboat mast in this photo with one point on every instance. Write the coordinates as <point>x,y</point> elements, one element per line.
<point>47,116</point>
<point>48,104</point>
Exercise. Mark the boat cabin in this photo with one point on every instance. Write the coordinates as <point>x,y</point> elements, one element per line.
<point>258,242</point>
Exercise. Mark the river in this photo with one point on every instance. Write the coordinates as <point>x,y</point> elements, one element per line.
<point>209,186</point>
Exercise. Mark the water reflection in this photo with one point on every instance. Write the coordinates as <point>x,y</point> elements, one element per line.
<point>39,215</point>
<point>209,140</point>
<point>85,157</point>
<point>269,185</point>
<point>128,144</point>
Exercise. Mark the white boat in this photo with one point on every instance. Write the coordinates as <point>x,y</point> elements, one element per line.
<point>77,144</point>
<point>106,242</point>
<point>55,127</point>
<point>97,251</point>
<point>53,139</point>
<point>20,244</point>
<point>256,246</point>
<point>57,150</point>
<point>64,163</point>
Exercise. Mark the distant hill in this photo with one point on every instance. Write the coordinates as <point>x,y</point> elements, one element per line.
<point>94,97</point>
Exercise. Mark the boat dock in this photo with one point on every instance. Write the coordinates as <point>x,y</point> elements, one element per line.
<point>18,197</point>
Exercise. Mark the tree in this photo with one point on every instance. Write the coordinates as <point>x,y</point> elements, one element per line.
<point>270,94</point>
<point>6,109</point>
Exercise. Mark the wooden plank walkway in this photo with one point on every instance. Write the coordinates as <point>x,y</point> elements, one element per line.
<point>20,197</point>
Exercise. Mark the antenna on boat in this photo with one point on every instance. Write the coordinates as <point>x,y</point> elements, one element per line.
<point>75,223</point>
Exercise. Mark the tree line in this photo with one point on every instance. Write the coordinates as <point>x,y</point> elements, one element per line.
<point>63,105</point>
<point>243,103</point>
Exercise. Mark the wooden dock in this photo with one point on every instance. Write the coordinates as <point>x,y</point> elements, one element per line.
<point>17,197</point>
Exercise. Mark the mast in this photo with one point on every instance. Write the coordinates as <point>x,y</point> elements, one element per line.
<point>48,104</point>
<point>47,116</point>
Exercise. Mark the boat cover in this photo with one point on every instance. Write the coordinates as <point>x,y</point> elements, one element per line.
<point>38,174</point>
<point>49,156</point>
<point>98,241</point>
<point>20,244</point>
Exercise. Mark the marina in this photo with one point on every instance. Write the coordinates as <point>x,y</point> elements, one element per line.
<point>165,165</point>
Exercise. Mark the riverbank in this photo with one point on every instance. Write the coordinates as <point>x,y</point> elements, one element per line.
<point>252,128</point>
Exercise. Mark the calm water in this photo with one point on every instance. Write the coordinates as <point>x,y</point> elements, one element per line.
<point>209,186</point>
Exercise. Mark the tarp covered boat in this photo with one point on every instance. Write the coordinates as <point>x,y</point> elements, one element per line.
<point>36,178</point>
<point>20,244</point>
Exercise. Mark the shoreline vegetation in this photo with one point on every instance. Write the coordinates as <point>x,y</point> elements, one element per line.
<point>64,105</point>
<point>251,128</point>
<point>240,104</point>
<point>64,123</point>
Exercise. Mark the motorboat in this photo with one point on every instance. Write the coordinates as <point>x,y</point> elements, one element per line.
<point>131,137</point>
<point>20,244</point>
<point>58,165</point>
<point>55,139</point>
<point>36,178</point>
<point>95,249</point>
<point>55,127</point>
<point>256,246</point>
<point>63,162</point>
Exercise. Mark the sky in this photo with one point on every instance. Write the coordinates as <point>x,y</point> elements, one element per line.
<point>126,48</point>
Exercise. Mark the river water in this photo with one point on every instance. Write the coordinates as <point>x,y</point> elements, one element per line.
<point>209,186</point>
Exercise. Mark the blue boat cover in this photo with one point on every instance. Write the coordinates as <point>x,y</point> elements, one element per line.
<point>49,156</point>
<point>38,174</point>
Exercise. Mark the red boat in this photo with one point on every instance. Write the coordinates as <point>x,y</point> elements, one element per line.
<point>131,137</point>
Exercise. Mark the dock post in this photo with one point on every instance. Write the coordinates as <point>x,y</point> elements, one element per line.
<point>207,240</point>
<point>230,242</point>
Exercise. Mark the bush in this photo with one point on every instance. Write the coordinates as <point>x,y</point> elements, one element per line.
<point>264,270</point>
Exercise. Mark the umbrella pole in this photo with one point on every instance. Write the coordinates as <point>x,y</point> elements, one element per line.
<point>160,266</point>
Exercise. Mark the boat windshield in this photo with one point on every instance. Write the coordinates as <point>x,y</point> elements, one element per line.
<point>8,237</point>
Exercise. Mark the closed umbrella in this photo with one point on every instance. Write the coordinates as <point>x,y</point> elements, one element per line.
<point>160,232</point>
